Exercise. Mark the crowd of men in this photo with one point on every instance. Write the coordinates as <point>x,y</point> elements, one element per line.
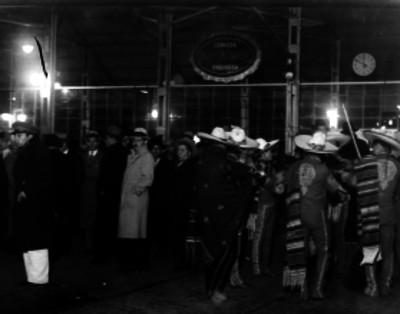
<point>203,200</point>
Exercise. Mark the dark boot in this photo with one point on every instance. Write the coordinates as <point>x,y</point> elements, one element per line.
<point>372,286</point>
<point>322,265</point>
<point>387,275</point>
<point>129,254</point>
<point>304,292</point>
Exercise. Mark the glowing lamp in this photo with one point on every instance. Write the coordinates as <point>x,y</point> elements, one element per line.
<point>22,117</point>
<point>333,117</point>
<point>27,48</point>
<point>36,79</point>
<point>6,117</point>
<point>154,113</point>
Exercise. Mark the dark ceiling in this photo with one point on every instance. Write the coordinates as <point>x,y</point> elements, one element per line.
<point>118,44</point>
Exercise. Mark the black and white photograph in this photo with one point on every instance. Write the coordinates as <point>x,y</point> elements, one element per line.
<point>199,156</point>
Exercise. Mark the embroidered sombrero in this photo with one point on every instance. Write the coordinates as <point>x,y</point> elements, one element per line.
<point>238,137</point>
<point>263,145</point>
<point>316,143</point>
<point>384,136</point>
<point>218,135</point>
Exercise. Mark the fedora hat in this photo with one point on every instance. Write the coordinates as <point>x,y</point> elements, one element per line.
<point>389,138</point>
<point>140,132</point>
<point>315,143</point>
<point>114,132</point>
<point>92,133</point>
<point>188,143</point>
<point>24,127</point>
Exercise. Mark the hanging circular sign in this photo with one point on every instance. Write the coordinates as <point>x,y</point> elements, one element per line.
<point>226,57</point>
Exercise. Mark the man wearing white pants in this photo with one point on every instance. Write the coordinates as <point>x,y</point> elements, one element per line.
<point>31,212</point>
<point>37,266</point>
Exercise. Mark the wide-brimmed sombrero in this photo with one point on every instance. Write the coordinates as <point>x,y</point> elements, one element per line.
<point>235,138</point>
<point>218,135</point>
<point>316,143</point>
<point>384,136</point>
<point>338,139</point>
<point>247,143</point>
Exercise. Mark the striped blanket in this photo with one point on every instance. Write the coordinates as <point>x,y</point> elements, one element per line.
<point>295,273</point>
<point>366,172</point>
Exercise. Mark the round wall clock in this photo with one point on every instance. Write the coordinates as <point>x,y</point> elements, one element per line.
<point>364,64</point>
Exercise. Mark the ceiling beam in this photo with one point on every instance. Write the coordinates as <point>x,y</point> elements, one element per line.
<point>203,3</point>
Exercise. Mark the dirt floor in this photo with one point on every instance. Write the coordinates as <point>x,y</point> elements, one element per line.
<point>80,286</point>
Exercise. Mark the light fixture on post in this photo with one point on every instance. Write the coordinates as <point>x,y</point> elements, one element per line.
<point>290,70</point>
<point>290,76</point>
<point>333,117</point>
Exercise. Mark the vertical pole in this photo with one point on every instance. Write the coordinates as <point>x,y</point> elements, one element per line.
<point>293,86</point>
<point>288,122</point>
<point>34,107</point>
<point>244,106</point>
<point>52,69</point>
<point>12,85</point>
<point>85,109</point>
<point>335,89</point>
<point>164,72</point>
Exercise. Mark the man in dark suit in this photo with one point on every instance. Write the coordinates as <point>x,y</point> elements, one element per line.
<point>33,187</point>
<point>109,186</point>
<point>72,182</point>
<point>159,213</point>
<point>91,163</point>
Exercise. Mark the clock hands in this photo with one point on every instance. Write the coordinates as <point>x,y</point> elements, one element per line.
<point>362,63</point>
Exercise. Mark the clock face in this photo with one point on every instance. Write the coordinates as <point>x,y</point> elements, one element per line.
<point>364,64</point>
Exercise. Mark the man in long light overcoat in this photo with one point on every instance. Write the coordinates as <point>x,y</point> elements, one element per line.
<point>132,228</point>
